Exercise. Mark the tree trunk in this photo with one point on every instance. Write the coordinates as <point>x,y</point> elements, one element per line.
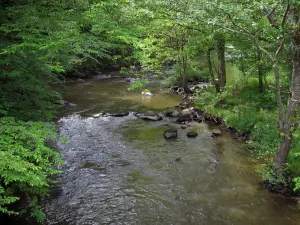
<point>221,61</point>
<point>183,73</point>
<point>291,118</point>
<point>260,71</point>
<point>284,149</point>
<point>211,72</point>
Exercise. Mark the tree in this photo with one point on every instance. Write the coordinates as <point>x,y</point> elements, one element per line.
<point>290,121</point>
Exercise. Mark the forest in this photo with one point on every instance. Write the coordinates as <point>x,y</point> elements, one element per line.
<point>45,42</point>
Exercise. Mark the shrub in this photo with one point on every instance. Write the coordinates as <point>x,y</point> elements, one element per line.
<point>26,162</point>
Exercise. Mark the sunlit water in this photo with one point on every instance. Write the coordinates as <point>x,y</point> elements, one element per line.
<point>112,96</point>
<point>122,170</point>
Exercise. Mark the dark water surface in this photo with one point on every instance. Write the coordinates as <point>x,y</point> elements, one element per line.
<point>122,171</point>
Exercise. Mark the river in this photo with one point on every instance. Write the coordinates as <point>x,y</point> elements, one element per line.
<point>120,170</point>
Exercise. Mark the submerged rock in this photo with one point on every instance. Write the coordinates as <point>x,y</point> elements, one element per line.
<point>216,133</point>
<point>170,133</point>
<point>153,116</point>
<point>192,134</point>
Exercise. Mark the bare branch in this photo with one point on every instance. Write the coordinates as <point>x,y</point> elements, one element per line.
<point>285,15</point>
<point>279,48</point>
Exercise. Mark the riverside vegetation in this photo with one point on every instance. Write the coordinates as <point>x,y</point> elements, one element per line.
<point>43,42</point>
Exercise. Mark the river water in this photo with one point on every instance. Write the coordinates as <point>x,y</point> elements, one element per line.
<point>120,170</point>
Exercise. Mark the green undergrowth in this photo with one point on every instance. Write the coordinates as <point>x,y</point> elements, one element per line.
<point>254,115</point>
<point>27,161</point>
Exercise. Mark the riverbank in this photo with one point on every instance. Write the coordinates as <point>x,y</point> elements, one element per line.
<point>253,117</point>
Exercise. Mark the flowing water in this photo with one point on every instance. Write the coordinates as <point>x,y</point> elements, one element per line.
<point>122,170</point>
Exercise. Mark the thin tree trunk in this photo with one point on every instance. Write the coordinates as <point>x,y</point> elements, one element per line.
<point>260,71</point>
<point>211,72</point>
<point>221,61</point>
<point>185,78</point>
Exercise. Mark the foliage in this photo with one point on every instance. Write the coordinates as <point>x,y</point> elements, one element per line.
<point>40,42</point>
<point>276,178</point>
<point>137,84</point>
<point>26,162</point>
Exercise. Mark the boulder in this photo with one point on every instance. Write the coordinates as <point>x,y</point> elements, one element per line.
<point>170,133</point>
<point>171,113</point>
<point>216,133</point>
<point>153,116</point>
<point>192,134</point>
<point>183,126</point>
<point>186,112</point>
<point>185,116</point>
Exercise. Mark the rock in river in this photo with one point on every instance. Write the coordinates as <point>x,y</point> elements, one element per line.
<point>192,134</point>
<point>186,112</point>
<point>170,133</point>
<point>150,116</point>
<point>216,132</point>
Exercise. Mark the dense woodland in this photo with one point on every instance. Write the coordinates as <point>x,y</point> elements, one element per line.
<point>42,42</point>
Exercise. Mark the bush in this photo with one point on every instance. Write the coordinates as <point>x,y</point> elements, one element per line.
<point>26,162</point>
